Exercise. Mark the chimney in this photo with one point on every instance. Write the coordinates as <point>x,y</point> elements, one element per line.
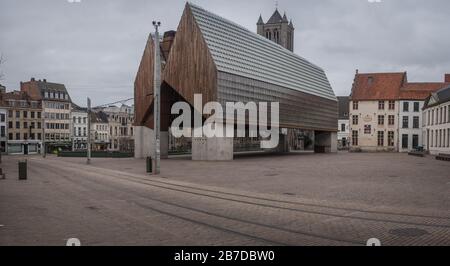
<point>33,79</point>
<point>167,42</point>
<point>447,78</point>
<point>45,80</point>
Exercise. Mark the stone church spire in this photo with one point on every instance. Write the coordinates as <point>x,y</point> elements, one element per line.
<point>277,29</point>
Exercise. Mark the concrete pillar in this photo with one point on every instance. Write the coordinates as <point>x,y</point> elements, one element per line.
<point>143,142</point>
<point>283,144</point>
<point>326,140</point>
<point>212,149</point>
<point>164,138</point>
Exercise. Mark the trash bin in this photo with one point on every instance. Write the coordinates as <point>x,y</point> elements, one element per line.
<point>149,165</point>
<point>23,170</point>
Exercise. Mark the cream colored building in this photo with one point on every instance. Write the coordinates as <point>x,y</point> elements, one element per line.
<point>56,105</point>
<point>121,131</point>
<point>373,125</point>
<point>385,111</point>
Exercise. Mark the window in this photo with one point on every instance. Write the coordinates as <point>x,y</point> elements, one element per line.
<point>416,122</point>
<point>17,114</point>
<point>39,136</point>
<point>25,114</point>
<point>381,105</point>
<point>17,124</point>
<point>406,107</point>
<point>380,138</point>
<point>17,136</point>
<point>2,131</point>
<point>391,138</point>
<point>25,125</point>
<point>355,138</point>
<point>10,124</point>
<point>342,128</point>
<point>432,117</point>
<point>445,115</point>
<point>391,105</point>
<point>405,122</point>
<point>391,119</point>
<point>448,114</point>
<point>355,120</point>
<point>381,120</point>
<point>39,115</point>
<point>415,141</point>
<point>10,137</point>
<point>355,105</point>
<point>405,140</point>
<point>33,114</point>
<point>2,117</point>
<point>416,107</point>
<point>367,129</point>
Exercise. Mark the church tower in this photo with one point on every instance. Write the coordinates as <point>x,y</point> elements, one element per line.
<point>277,29</point>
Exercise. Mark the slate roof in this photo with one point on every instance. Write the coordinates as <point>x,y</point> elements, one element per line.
<point>99,117</point>
<point>239,51</point>
<point>438,98</point>
<point>275,18</point>
<point>344,107</point>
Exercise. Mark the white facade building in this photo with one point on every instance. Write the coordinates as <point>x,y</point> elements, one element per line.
<point>78,127</point>
<point>343,123</point>
<point>410,125</point>
<point>100,138</point>
<point>436,115</point>
<point>3,130</point>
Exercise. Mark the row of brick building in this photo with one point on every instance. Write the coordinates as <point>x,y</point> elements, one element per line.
<point>43,112</point>
<point>386,112</point>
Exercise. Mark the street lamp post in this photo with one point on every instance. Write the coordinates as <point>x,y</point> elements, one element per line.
<point>88,161</point>
<point>157,98</point>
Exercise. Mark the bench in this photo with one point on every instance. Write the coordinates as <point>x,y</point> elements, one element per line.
<point>443,157</point>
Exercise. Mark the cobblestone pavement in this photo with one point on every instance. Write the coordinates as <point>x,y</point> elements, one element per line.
<point>112,202</point>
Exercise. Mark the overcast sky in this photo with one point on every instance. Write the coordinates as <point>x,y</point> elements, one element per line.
<point>94,47</point>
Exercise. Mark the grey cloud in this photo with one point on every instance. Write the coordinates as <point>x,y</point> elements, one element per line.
<point>95,47</point>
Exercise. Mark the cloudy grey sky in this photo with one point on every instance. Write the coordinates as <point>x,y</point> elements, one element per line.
<point>94,47</point>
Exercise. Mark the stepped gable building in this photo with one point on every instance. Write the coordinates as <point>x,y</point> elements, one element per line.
<point>385,111</point>
<point>225,62</point>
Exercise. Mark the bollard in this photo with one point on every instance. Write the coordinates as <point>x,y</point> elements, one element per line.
<point>23,170</point>
<point>149,165</point>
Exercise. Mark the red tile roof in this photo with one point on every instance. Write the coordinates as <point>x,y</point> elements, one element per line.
<point>377,86</point>
<point>420,91</point>
<point>391,86</point>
